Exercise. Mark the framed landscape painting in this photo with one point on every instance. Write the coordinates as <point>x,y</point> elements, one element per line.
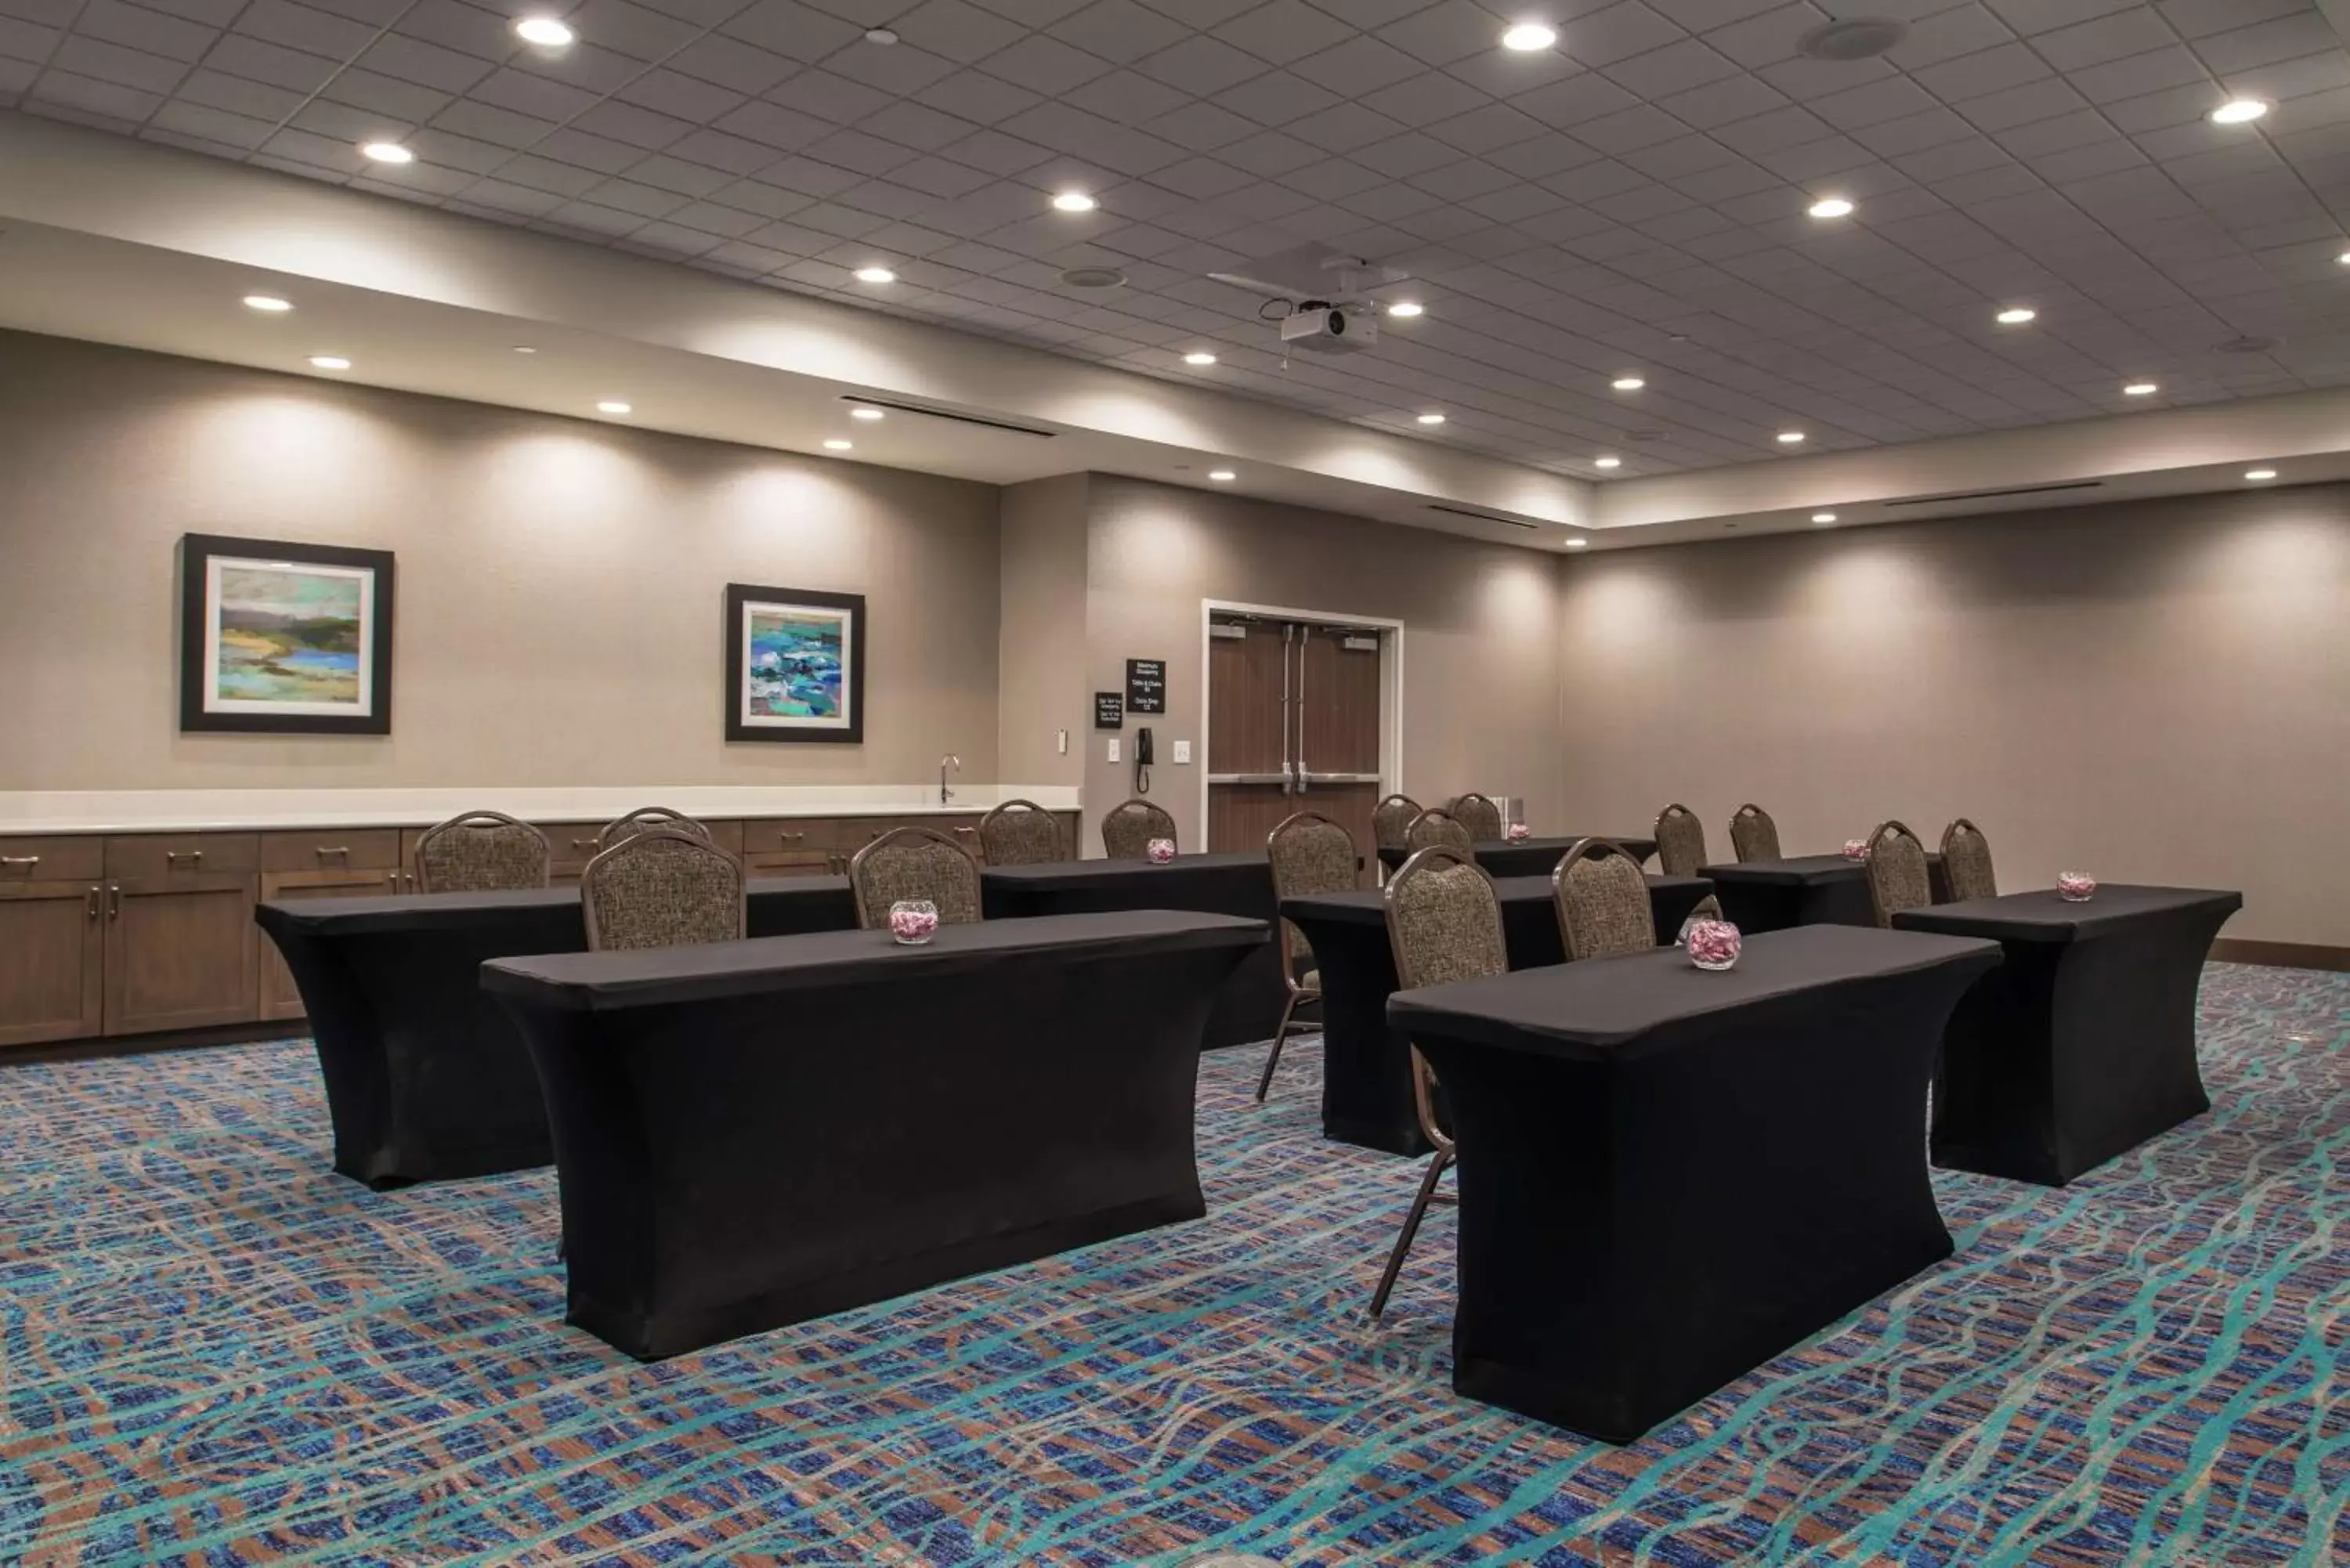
<point>795,665</point>
<point>284,638</point>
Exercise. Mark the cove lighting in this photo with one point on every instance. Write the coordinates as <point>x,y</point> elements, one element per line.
<point>387,152</point>
<point>329,362</point>
<point>1832,207</point>
<point>1200,358</point>
<point>1074,201</point>
<point>267,304</point>
<point>545,32</point>
<point>1527,36</point>
<point>2239,111</point>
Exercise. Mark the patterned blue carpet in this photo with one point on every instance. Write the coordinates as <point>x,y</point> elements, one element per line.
<point>214,1351</point>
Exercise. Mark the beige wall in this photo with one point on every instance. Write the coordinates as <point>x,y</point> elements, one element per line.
<point>1480,681</point>
<point>2151,692</point>
<point>1041,648</point>
<point>560,583</point>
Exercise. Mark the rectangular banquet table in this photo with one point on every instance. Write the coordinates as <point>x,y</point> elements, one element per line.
<point>1805,890</point>
<point>1235,882</point>
<point>1527,857</point>
<point>751,1134</point>
<point>1366,1066</point>
<point>426,1077</point>
<point>1668,1176</point>
<point>2082,1046</point>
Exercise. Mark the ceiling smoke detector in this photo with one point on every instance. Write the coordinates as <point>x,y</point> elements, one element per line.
<point>1094,278</point>
<point>1861,38</point>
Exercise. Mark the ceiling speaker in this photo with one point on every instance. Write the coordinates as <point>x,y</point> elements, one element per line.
<point>1862,38</point>
<point>1093,277</point>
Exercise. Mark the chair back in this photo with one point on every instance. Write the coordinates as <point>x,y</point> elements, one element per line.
<point>1753,835</point>
<point>1602,901</point>
<point>1681,841</point>
<point>1391,818</point>
<point>1479,815</point>
<point>1898,878</point>
<point>662,888</point>
<point>646,816</point>
<point>1966,862</point>
<point>914,863</point>
<point>1021,833</point>
<point>1444,923</point>
<point>482,852</point>
<point>1310,855</point>
<point>1437,826</point>
<point>1127,830</point>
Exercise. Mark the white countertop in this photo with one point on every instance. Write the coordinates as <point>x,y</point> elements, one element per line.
<point>244,810</point>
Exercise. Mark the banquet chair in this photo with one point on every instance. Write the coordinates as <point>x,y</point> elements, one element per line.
<point>1021,833</point>
<point>1444,922</point>
<point>1898,877</point>
<point>662,888</point>
<point>1753,835</point>
<point>1127,830</point>
<point>914,863</point>
<point>1391,818</point>
<point>1602,901</point>
<point>1681,841</point>
<point>646,816</point>
<point>1438,826</point>
<point>1478,814</point>
<point>482,852</point>
<point>1966,862</point>
<point>1310,855</point>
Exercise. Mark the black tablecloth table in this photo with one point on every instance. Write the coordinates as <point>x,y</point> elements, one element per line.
<point>1670,1176</point>
<point>1236,882</point>
<point>2082,1044</point>
<point>1807,890</point>
<point>426,1078</point>
<point>1527,857</point>
<point>751,1134</point>
<point>1366,1066</point>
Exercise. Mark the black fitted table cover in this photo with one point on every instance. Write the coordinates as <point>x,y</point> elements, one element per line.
<point>1806,890</point>
<point>1236,882</point>
<point>1527,857</point>
<point>751,1134</point>
<point>1366,1066</point>
<point>2082,1046</point>
<point>426,1077</point>
<point>1668,1176</point>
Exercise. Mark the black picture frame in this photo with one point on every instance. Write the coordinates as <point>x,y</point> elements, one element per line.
<point>202,710</point>
<point>740,725</point>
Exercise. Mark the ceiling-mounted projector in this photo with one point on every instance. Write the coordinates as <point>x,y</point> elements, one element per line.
<point>1326,328</point>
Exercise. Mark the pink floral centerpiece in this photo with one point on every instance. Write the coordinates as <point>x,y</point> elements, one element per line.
<point>1713,944</point>
<point>1518,830</point>
<point>1160,850</point>
<point>2076,886</point>
<point>1856,850</point>
<point>913,921</point>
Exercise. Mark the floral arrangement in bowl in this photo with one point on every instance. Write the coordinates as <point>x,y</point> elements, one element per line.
<point>1518,830</point>
<point>1162,851</point>
<point>1713,944</point>
<point>913,921</point>
<point>2076,886</point>
<point>1856,850</point>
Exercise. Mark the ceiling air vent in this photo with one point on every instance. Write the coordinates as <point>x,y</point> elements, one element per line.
<point>897,407</point>
<point>1999,494</point>
<point>1485,516</point>
<point>1861,38</point>
<point>1094,278</point>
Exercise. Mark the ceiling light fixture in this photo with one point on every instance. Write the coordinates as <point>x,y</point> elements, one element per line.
<point>1406,307</point>
<point>524,348</point>
<point>1222,475</point>
<point>837,444</point>
<point>881,36</point>
<point>2257,474</point>
<point>1830,207</point>
<point>2016,316</point>
<point>614,406</point>
<point>2343,258</point>
<point>1628,383</point>
<point>1527,36</point>
<point>876,274</point>
<point>1577,543</point>
<point>329,362</point>
<point>1431,419</point>
<point>1198,357</point>
<point>2239,111</point>
<point>387,152</point>
<point>1606,463</point>
<point>2140,390</point>
<point>267,304</point>
<point>1791,437</point>
<point>1824,518</point>
<point>545,32</point>
<point>865,413</point>
<point>1074,201</point>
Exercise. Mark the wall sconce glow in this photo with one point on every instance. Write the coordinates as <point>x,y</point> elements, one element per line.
<point>1822,518</point>
<point>1791,437</point>
<point>1074,201</point>
<point>1410,307</point>
<point>387,152</point>
<point>876,274</point>
<point>2016,316</point>
<point>1222,475</point>
<point>1628,383</point>
<point>1606,463</point>
<point>1527,36</point>
<point>2140,390</point>
<point>614,406</point>
<point>545,32</point>
<point>1431,419</point>
<point>1200,358</point>
<point>329,362</point>
<point>267,304</point>
<point>865,413</point>
<point>1830,207</point>
<point>836,444</point>
<point>2239,111</point>
<point>2258,476</point>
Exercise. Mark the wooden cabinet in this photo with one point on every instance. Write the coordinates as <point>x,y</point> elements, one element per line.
<point>52,961</point>
<point>180,938</point>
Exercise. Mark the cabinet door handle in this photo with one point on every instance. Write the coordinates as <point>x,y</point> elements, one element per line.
<point>26,861</point>
<point>583,844</point>
<point>114,901</point>
<point>93,903</point>
<point>172,856</point>
<point>323,851</point>
<point>791,838</point>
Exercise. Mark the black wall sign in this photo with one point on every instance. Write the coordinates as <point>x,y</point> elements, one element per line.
<point>1146,685</point>
<point>1109,709</point>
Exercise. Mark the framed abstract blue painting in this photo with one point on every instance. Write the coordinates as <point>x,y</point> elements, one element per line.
<point>795,665</point>
<point>278,639</point>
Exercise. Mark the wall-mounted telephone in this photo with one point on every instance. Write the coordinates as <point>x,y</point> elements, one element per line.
<point>1143,758</point>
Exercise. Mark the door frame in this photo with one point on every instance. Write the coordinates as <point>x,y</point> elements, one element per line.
<point>1390,632</point>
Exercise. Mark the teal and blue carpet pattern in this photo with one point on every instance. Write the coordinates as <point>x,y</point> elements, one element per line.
<point>214,1351</point>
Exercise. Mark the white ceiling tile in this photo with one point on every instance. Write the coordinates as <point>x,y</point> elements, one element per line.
<point>2135,76</point>
<point>1948,35</point>
<point>1425,98</point>
<point>1202,66</point>
<point>1620,32</point>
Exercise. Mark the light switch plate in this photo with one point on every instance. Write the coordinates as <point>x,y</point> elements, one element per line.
<point>1183,751</point>
<point>1113,749</point>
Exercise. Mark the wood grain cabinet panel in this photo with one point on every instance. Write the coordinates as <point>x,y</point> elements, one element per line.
<point>331,849</point>
<point>280,998</point>
<point>180,952</point>
<point>155,856</point>
<point>52,961</point>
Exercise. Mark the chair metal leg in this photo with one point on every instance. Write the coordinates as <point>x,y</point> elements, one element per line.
<point>1436,1164</point>
<point>1280,1037</point>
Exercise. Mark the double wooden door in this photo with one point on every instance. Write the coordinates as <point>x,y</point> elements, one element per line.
<point>1293,711</point>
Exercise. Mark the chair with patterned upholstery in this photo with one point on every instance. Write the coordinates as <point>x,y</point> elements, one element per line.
<point>1966,862</point>
<point>1602,901</point>
<point>1444,923</point>
<point>662,888</point>
<point>1021,833</point>
<point>1310,855</point>
<point>482,852</point>
<point>1897,878</point>
<point>914,863</point>
<point>1127,830</point>
<point>1437,826</point>
<point>1681,841</point>
<point>1391,818</point>
<point>1753,835</point>
<point>646,816</point>
<point>1479,815</point>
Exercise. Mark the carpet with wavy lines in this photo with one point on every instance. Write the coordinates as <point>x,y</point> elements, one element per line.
<point>214,1351</point>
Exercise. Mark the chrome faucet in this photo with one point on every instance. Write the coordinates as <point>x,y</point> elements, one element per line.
<point>949,761</point>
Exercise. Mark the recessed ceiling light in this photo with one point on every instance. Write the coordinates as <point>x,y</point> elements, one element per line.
<point>876,274</point>
<point>1074,201</point>
<point>545,32</point>
<point>267,304</point>
<point>837,444</point>
<point>1200,357</point>
<point>1606,463</point>
<point>1830,207</point>
<point>2016,316</point>
<point>865,413</point>
<point>2343,258</point>
<point>1431,419</point>
<point>524,348</point>
<point>881,36</point>
<point>387,152</point>
<point>1406,307</point>
<point>2239,111</point>
<point>1577,543</point>
<point>1528,37</point>
<point>1628,383</point>
<point>1824,518</point>
<point>1791,437</point>
<point>1222,475</point>
<point>2257,474</point>
<point>329,362</point>
<point>2140,390</point>
<point>613,406</point>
